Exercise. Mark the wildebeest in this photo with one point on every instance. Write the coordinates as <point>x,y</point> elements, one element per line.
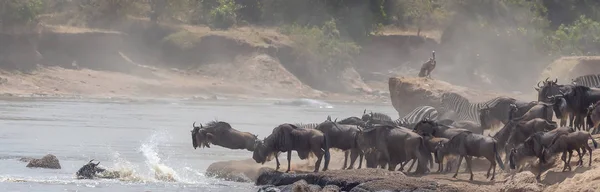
<point>523,107</point>
<point>562,109</point>
<point>344,137</point>
<point>580,98</point>
<point>377,118</point>
<point>593,115</point>
<point>287,138</point>
<point>540,110</point>
<point>432,143</point>
<point>537,143</point>
<point>222,134</point>
<point>89,170</point>
<point>397,145</point>
<point>431,128</point>
<point>520,154</point>
<point>468,125</point>
<point>522,130</point>
<point>467,145</point>
<point>550,89</point>
<point>577,141</point>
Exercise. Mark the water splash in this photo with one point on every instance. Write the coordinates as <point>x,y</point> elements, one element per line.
<point>149,149</point>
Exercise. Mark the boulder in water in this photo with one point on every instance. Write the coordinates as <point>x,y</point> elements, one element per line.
<point>49,162</point>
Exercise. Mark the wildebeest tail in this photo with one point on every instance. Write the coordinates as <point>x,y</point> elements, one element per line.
<point>498,159</point>
<point>593,141</point>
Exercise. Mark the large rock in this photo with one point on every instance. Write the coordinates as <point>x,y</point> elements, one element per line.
<point>354,180</point>
<point>238,171</point>
<point>49,161</point>
<point>407,93</point>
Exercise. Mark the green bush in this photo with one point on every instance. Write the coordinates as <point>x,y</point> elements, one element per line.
<point>580,38</point>
<point>322,44</point>
<point>224,15</point>
<point>19,12</point>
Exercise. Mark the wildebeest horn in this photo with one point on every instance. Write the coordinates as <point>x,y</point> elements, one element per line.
<point>365,111</point>
<point>194,125</point>
<point>538,84</point>
<point>546,79</point>
<point>556,81</point>
<point>328,118</point>
<point>335,120</point>
<point>91,161</point>
<point>98,163</point>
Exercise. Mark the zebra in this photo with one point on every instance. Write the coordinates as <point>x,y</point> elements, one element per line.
<point>466,110</point>
<point>307,125</point>
<point>587,80</point>
<point>416,115</point>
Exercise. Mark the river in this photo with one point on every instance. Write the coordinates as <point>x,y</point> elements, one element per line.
<point>140,138</point>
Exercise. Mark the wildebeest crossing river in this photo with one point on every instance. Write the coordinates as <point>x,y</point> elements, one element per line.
<point>146,140</point>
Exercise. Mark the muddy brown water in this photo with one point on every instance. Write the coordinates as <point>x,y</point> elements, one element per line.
<point>146,140</point>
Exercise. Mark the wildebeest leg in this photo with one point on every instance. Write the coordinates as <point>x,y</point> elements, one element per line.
<point>569,161</point>
<point>346,153</point>
<point>353,155</point>
<point>361,155</point>
<point>319,155</point>
<point>580,154</point>
<point>468,159</point>
<point>440,165</point>
<point>277,161</point>
<point>563,157</point>
<point>289,157</point>
<point>589,149</point>
<point>459,162</point>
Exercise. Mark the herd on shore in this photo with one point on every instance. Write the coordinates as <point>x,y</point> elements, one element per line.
<point>527,134</point>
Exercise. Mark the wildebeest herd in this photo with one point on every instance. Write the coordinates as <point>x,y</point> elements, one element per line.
<point>429,134</point>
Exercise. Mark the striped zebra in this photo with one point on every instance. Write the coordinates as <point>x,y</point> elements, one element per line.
<point>416,115</point>
<point>466,110</point>
<point>307,125</point>
<point>587,80</point>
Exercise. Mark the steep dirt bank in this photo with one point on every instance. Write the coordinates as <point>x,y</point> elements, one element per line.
<point>167,60</point>
<point>567,68</point>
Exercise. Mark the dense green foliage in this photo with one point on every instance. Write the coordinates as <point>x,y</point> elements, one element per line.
<point>522,27</point>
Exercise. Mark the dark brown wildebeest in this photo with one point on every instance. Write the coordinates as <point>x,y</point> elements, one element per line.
<point>551,88</point>
<point>523,107</point>
<point>522,130</point>
<point>222,134</point>
<point>287,138</point>
<point>593,116</point>
<point>579,98</point>
<point>468,125</point>
<point>521,154</point>
<point>577,141</point>
<point>538,142</point>
<point>467,145</point>
<point>540,110</point>
<point>431,128</point>
<point>396,144</point>
<point>343,137</point>
<point>432,143</point>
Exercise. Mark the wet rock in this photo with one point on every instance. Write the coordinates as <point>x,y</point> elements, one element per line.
<point>523,181</point>
<point>238,171</point>
<point>49,162</point>
<point>298,186</point>
<point>354,180</point>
